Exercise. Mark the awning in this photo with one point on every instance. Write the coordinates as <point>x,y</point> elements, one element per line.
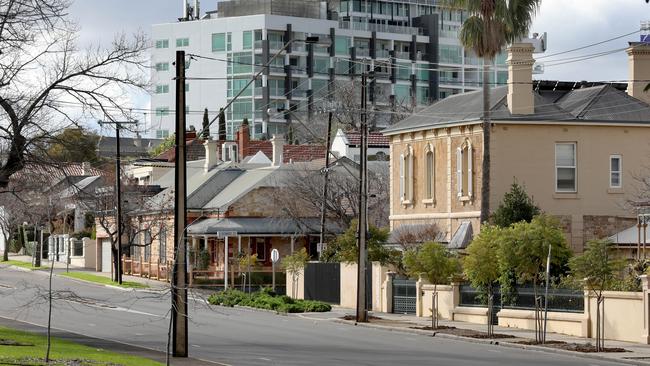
<point>259,226</point>
<point>462,237</point>
<point>629,236</point>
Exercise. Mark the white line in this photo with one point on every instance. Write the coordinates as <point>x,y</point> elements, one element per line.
<point>116,308</point>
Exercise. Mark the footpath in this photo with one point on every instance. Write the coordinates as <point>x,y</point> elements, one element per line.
<point>637,353</point>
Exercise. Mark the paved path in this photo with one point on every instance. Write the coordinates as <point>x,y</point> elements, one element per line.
<point>240,336</point>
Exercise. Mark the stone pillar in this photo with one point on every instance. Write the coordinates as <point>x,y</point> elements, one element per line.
<point>645,287</point>
<point>419,297</point>
<point>387,299</point>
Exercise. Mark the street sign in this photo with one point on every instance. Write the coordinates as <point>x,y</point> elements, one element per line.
<point>275,255</point>
<point>223,234</point>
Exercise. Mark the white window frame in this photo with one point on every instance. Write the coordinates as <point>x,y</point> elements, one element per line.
<point>182,42</point>
<point>162,43</point>
<point>406,176</point>
<point>620,171</point>
<point>465,159</point>
<point>574,167</point>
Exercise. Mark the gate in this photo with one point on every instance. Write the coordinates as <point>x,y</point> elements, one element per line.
<point>323,282</point>
<point>404,296</point>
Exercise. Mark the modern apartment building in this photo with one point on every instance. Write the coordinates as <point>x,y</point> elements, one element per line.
<point>412,45</point>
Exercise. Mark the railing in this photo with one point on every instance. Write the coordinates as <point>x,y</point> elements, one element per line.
<point>154,270</point>
<point>385,28</point>
<point>559,300</point>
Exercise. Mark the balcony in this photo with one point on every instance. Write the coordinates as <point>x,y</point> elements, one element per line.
<point>384,28</point>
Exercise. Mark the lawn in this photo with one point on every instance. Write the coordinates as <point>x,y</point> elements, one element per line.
<point>101,279</point>
<point>21,264</point>
<point>29,349</point>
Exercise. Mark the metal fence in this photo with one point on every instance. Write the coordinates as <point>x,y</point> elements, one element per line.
<point>559,300</point>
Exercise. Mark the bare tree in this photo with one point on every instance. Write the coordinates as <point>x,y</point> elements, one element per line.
<point>142,216</point>
<point>47,83</point>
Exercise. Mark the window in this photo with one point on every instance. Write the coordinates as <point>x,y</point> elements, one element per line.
<point>260,249</point>
<point>147,243</point>
<point>615,171</point>
<point>565,167</point>
<point>135,249</point>
<point>464,167</point>
<point>182,42</point>
<point>162,43</point>
<point>342,45</point>
<point>162,247</point>
<point>247,40</point>
<point>162,66</point>
<point>240,63</point>
<point>218,42</point>
<point>187,87</point>
<point>430,173</point>
<point>162,89</point>
<point>162,134</point>
<point>162,111</point>
<point>406,176</point>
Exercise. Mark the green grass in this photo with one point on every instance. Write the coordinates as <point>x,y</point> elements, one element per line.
<point>21,264</point>
<point>32,352</point>
<point>101,279</point>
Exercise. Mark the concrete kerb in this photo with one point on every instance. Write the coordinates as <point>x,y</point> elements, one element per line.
<point>494,342</point>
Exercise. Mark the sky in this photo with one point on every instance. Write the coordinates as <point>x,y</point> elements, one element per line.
<point>569,24</point>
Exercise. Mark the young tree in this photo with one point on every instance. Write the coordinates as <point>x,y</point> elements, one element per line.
<point>43,73</point>
<point>490,26</point>
<point>481,265</point>
<point>294,264</point>
<point>205,130</point>
<point>598,269</point>
<point>515,206</point>
<point>436,264</point>
<point>524,249</point>
<point>73,145</point>
<point>345,249</point>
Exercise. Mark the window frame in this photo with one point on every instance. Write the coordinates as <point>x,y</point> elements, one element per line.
<point>429,174</point>
<point>225,38</point>
<point>260,241</point>
<point>619,171</point>
<point>162,244</point>
<point>406,178</point>
<point>574,167</point>
<point>464,169</point>
<point>182,42</point>
<point>162,43</point>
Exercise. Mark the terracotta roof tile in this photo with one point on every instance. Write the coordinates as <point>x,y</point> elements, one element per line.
<point>375,139</point>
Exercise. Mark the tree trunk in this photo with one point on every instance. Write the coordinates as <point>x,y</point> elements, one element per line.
<point>485,176</point>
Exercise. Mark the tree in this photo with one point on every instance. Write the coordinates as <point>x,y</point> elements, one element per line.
<point>597,269</point>
<point>222,125</point>
<point>524,249</point>
<point>492,24</point>
<point>294,264</point>
<point>205,130</point>
<point>515,206</point>
<point>436,264</point>
<point>43,75</point>
<point>481,265</point>
<point>73,145</point>
<point>166,145</point>
<point>345,249</point>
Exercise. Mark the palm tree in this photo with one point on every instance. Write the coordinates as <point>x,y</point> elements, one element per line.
<point>490,26</point>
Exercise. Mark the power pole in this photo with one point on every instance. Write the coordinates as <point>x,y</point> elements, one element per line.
<point>118,193</point>
<point>325,179</point>
<point>362,233</point>
<point>179,278</point>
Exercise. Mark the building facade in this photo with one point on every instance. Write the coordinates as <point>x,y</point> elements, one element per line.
<point>579,149</point>
<point>411,45</point>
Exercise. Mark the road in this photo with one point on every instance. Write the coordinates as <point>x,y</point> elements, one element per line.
<point>243,337</point>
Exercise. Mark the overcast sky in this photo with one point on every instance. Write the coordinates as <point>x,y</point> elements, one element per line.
<point>569,24</point>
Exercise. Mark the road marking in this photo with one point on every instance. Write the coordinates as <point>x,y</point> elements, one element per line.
<point>264,359</point>
<point>91,324</point>
<point>115,308</point>
<point>196,346</point>
<point>6,286</point>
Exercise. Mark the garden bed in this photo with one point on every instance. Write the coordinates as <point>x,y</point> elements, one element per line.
<point>576,347</point>
<point>267,300</point>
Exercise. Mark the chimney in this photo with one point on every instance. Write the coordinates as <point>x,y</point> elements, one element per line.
<point>520,78</point>
<point>85,168</point>
<point>211,154</point>
<point>197,10</point>
<point>639,70</point>
<point>185,13</point>
<point>278,148</point>
<point>243,138</point>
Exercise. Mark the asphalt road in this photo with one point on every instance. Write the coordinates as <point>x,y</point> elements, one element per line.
<point>243,337</point>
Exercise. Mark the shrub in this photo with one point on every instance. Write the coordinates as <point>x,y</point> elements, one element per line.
<point>267,299</point>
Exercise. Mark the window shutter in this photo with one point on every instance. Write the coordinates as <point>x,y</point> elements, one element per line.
<point>459,171</point>
<point>401,178</point>
<point>410,178</point>
<point>469,171</point>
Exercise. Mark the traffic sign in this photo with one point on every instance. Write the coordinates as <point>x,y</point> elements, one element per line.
<point>275,255</point>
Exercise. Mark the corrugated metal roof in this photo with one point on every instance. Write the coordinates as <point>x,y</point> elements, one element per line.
<point>243,183</point>
<point>462,237</point>
<point>258,226</point>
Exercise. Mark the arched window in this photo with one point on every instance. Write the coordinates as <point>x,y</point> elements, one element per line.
<point>429,172</point>
<point>406,176</point>
<point>464,166</point>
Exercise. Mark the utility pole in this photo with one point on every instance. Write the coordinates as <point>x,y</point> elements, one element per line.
<point>326,171</point>
<point>362,233</point>
<point>179,278</point>
<point>118,193</point>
